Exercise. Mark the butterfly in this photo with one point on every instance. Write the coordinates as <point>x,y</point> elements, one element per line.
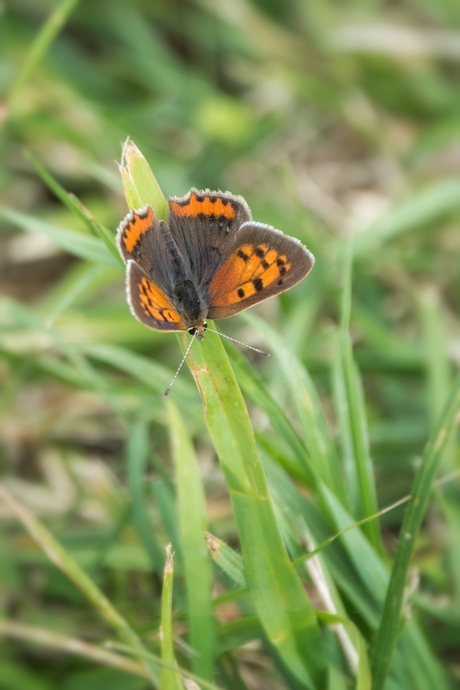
<point>209,260</point>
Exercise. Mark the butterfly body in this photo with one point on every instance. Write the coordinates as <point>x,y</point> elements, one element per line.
<point>208,260</point>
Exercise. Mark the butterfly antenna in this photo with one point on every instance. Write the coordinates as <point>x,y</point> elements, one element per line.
<point>234,340</point>
<point>168,390</point>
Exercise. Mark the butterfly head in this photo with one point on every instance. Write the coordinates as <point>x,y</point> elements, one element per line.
<point>198,330</point>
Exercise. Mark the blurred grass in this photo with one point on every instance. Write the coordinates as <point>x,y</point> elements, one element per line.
<point>331,125</point>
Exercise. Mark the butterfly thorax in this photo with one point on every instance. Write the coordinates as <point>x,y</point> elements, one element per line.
<point>190,307</point>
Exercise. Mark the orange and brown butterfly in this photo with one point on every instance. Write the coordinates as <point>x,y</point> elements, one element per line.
<point>209,260</point>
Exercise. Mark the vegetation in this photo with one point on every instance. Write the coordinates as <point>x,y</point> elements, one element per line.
<point>282,522</point>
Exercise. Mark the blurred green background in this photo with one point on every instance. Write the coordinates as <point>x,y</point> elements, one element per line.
<point>333,120</point>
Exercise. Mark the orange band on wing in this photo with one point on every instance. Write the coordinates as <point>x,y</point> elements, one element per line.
<point>250,270</point>
<point>193,207</point>
<point>155,303</point>
<point>136,227</point>
<point>233,270</point>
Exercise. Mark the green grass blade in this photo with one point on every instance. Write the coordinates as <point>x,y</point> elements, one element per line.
<point>155,377</point>
<point>76,207</point>
<point>51,640</point>
<point>413,664</point>
<point>139,182</point>
<point>165,500</point>
<point>226,559</point>
<point>352,416</point>
<point>350,570</point>
<point>370,571</point>
<point>83,246</point>
<point>437,363</point>
<point>418,211</point>
<point>191,510</point>
<point>75,282</point>
<point>388,632</point>
<point>289,620</point>
<point>185,673</point>
<point>438,366</point>
<point>63,560</point>
<point>415,653</point>
<point>316,436</point>
<point>233,635</point>
<point>170,679</point>
<point>137,455</point>
<point>39,47</point>
<point>363,675</point>
<point>253,386</point>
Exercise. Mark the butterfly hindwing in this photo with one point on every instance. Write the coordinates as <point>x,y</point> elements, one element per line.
<point>263,262</point>
<point>148,302</point>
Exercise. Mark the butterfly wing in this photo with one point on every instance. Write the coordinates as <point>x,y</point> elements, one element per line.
<point>148,242</point>
<point>134,234</point>
<point>204,225</point>
<point>149,304</point>
<point>263,262</point>
<point>211,242</point>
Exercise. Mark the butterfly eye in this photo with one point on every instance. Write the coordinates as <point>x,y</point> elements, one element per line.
<point>194,331</point>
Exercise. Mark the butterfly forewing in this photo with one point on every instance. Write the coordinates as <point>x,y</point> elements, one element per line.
<point>134,232</point>
<point>205,226</point>
<point>148,242</point>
